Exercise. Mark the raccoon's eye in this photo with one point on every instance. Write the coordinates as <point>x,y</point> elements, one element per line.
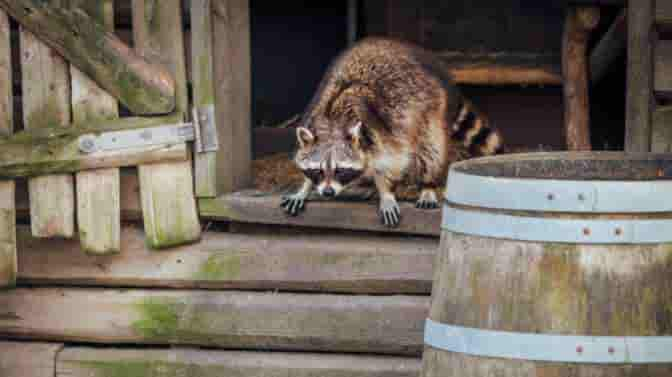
<point>345,176</point>
<point>314,175</point>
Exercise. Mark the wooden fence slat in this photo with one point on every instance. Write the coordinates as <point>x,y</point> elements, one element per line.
<point>231,51</point>
<point>89,362</point>
<point>19,359</point>
<point>8,266</point>
<point>46,104</point>
<point>98,205</point>
<point>269,261</point>
<point>166,189</point>
<point>241,320</point>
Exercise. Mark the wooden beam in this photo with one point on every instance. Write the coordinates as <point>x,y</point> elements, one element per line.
<point>98,212</point>
<point>269,261</point>
<point>46,105</point>
<point>144,88</point>
<point>91,362</point>
<point>664,15</point>
<point>662,69</point>
<point>639,96</point>
<point>609,48</point>
<point>661,130</point>
<point>242,320</point>
<point>578,26</point>
<point>19,359</point>
<point>231,49</point>
<point>264,208</point>
<point>7,207</point>
<point>166,189</point>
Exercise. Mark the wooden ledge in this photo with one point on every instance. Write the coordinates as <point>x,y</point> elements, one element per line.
<point>264,208</point>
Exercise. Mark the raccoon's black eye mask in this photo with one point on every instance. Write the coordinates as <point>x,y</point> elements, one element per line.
<point>314,175</point>
<point>345,175</point>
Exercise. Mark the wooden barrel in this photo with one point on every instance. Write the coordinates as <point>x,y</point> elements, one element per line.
<point>554,264</point>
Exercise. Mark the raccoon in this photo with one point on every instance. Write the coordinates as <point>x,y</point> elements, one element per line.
<point>386,112</point>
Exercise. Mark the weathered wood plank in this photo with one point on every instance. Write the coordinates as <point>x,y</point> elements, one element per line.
<point>578,25</point>
<point>609,48</point>
<point>18,359</point>
<point>205,164</point>
<point>143,87</point>
<point>98,212</point>
<point>661,132</point>
<point>231,49</point>
<point>334,323</point>
<point>639,96</point>
<point>46,104</point>
<point>7,207</point>
<point>166,189</point>
<point>264,208</point>
<point>662,69</point>
<point>268,261</point>
<point>89,362</point>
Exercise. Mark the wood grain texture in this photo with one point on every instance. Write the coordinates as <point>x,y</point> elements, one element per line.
<point>240,320</point>
<point>639,96</point>
<point>267,261</point>
<point>8,266</point>
<point>503,68</point>
<point>89,362</point>
<point>18,359</point>
<point>166,189</point>
<point>264,208</point>
<point>578,26</point>
<point>662,69</point>
<point>98,206</point>
<point>231,51</point>
<point>46,104</point>
<point>144,88</point>
<point>661,132</point>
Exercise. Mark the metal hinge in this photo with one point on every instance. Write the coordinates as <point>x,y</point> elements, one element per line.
<point>201,131</point>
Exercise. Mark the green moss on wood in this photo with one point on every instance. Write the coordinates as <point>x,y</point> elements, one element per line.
<point>221,266</point>
<point>124,368</point>
<point>158,318</point>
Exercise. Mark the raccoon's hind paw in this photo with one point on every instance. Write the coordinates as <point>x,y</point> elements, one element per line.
<point>293,204</point>
<point>427,200</point>
<point>390,214</point>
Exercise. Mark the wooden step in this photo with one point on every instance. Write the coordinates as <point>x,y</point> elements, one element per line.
<point>297,262</point>
<point>264,208</point>
<point>93,362</point>
<point>233,320</point>
<point>23,359</point>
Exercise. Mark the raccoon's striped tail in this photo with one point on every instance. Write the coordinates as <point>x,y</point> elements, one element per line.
<point>473,130</point>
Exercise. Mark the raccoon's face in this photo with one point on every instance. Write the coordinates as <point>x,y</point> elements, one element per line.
<point>331,163</point>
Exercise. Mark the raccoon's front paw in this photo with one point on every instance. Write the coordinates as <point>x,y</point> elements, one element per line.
<point>427,200</point>
<point>390,214</point>
<point>293,204</point>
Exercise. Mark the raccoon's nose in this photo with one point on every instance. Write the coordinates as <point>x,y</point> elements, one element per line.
<point>329,192</point>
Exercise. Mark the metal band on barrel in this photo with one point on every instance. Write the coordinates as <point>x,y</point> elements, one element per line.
<point>549,347</point>
<point>552,195</point>
<point>585,231</point>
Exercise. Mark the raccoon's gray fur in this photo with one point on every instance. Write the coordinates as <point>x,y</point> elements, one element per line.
<point>386,112</point>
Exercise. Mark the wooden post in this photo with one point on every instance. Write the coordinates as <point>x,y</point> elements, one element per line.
<point>46,104</point>
<point>231,49</point>
<point>98,208</point>
<point>166,189</point>
<point>639,96</point>
<point>609,48</point>
<point>142,87</point>
<point>578,25</point>
<point>8,268</point>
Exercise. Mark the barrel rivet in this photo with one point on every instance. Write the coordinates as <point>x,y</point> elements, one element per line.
<point>611,350</point>
<point>579,349</point>
<point>550,196</point>
<point>618,231</point>
<point>581,197</point>
<point>586,231</point>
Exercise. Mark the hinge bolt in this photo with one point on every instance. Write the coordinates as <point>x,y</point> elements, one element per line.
<point>579,349</point>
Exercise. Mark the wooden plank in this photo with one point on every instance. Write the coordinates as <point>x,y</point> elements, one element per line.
<point>611,46</point>
<point>18,359</point>
<point>90,362</point>
<point>231,51</point>
<point>639,98</point>
<point>143,87</point>
<point>661,132</point>
<point>664,14</point>
<point>264,208</point>
<point>268,261</point>
<point>166,190</point>
<point>7,207</point>
<point>662,69</point>
<point>579,23</point>
<point>46,104</point>
<point>205,164</point>
<point>98,207</point>
<point>240,320</point>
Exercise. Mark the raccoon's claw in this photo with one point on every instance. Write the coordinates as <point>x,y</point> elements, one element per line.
<point>390,214</point>
<point>427,200</point>
<point>293,204</point>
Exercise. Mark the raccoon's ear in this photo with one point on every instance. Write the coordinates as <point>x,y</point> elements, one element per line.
<point>304,136</point>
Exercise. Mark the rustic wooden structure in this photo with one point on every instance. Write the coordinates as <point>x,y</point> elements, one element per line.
<point>563,274</point>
